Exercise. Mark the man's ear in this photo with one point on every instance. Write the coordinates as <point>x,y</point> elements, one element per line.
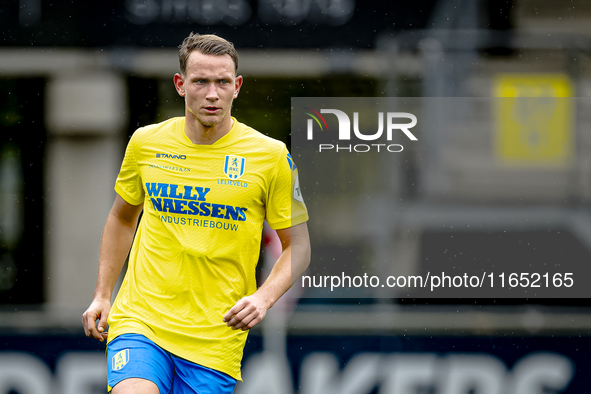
<point>179,84</point>
<point>237,84</point>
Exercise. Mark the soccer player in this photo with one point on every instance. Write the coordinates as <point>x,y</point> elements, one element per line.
<point>205,183</point>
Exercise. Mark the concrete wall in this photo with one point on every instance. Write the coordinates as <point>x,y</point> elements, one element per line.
<point>85,116</point>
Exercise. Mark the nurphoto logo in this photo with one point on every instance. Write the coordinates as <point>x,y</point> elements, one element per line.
<point>393,126</point>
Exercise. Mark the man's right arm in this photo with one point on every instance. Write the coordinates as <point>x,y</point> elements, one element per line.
<point>115,244</point>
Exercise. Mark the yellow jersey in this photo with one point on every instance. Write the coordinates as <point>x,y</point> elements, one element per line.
<point>197,245</point>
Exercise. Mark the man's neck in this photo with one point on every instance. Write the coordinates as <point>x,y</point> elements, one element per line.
<point>203,135</point>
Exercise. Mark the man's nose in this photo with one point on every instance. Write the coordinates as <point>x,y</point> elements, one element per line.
<point>212,92</point>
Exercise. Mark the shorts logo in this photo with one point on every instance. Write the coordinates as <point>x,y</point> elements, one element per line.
<point>234,166</point>
<point>120,359</point>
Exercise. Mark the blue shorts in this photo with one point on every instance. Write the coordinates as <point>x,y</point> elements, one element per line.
<point>135,356</point>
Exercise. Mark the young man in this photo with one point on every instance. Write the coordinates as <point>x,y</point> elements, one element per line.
<point>206,183</point>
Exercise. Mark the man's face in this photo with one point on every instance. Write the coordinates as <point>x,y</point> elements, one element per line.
<point>209,86</point>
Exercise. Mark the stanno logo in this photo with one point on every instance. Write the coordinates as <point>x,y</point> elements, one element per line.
<point>392,122</point>
<point>169,156</point>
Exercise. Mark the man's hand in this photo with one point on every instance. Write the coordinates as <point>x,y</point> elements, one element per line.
<point>115,243</point>
<point>250,311</point>
<point>246,313</point>
<point>99,309</point>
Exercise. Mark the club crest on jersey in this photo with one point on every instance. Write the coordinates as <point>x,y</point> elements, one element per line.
<point>234,166</point>
<point>120,359</point>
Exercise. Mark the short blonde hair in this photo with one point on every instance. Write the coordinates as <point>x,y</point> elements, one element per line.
<point>208,44</point>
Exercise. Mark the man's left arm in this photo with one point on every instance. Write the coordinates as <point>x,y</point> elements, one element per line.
<point>294,259</point>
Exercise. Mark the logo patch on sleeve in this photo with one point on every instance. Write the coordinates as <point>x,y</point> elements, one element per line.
<point>234,166</point>
<point>297,192</point>
<point>120,359</point>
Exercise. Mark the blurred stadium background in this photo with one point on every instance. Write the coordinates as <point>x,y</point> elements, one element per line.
<point>77,78</point>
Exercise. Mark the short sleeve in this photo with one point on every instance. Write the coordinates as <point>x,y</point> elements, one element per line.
<point>285,203</point>
<point>129,180</point>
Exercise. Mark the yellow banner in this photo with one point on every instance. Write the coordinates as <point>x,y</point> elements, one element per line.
<point>534,119</point>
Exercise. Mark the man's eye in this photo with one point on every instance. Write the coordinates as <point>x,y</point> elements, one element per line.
<point>224,81</point>
<point>201,81</point>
